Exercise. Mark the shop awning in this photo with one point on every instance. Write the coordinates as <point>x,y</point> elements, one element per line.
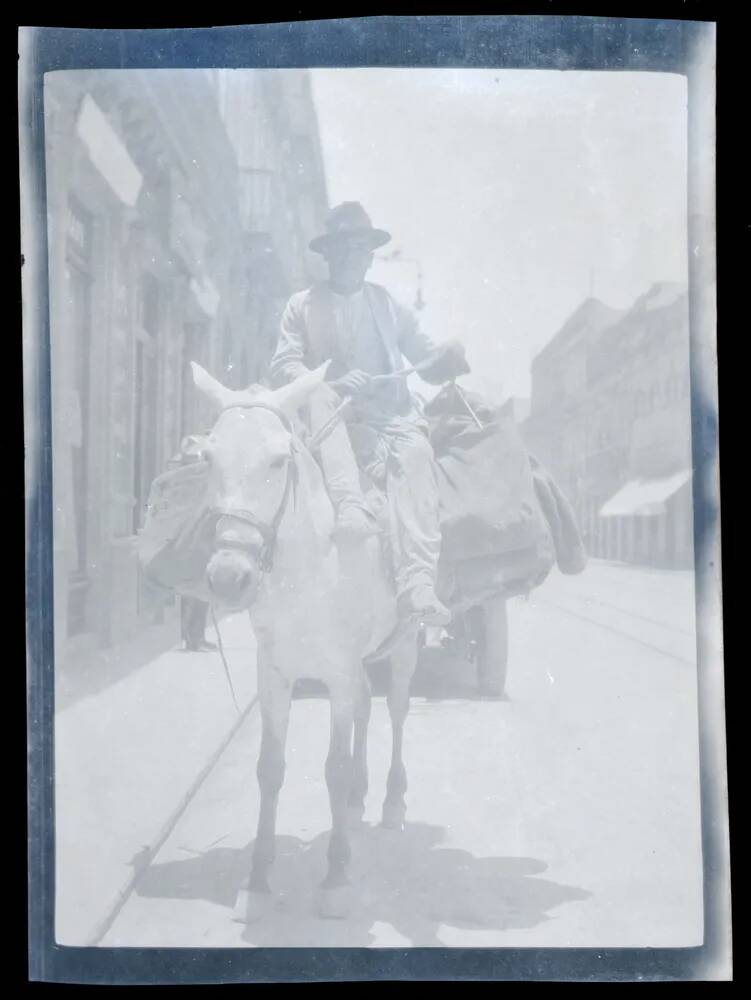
<point>644,497</point>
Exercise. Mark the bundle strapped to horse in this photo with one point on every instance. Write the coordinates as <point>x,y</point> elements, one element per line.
<point>174,543</point>
<point>504,521</point>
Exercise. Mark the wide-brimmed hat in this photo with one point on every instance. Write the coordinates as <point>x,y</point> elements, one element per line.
<point>348,219</point>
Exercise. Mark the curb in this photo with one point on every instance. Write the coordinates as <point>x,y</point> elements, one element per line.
<point>126,892</point>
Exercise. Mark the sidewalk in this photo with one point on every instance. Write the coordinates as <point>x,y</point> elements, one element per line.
<point>127,755</point>
<point>567,816</point>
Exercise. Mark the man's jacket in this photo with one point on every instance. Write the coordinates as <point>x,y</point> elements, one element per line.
<point>308,334</point>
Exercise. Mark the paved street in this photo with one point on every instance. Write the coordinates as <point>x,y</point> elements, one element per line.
<point>566,816</point>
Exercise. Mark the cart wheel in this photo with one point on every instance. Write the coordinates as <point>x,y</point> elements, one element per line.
<point>489,628</point>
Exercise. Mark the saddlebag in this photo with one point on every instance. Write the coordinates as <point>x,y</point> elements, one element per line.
<point>175,543</point>
<point>504,521</point>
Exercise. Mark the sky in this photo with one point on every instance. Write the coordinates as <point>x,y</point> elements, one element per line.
<point>517,193</point>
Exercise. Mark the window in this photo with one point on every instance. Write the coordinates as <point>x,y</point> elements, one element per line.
<point>78,260</point>
<point>256,193</point>
<point>195,348</point>
<point>302,158</point>
<point>146,414</point>
<point>148,305</point>
<point>171,406</point>
<point>161,193</point>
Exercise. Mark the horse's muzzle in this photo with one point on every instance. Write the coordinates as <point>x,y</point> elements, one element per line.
<point>232,578</point>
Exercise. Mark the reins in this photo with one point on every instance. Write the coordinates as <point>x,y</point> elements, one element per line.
<point>220,646</point>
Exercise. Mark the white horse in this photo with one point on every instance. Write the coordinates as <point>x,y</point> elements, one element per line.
<point>318,608</point>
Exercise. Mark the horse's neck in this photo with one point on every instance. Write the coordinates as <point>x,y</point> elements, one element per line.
<point>313,581</point>
<point>303,544</point>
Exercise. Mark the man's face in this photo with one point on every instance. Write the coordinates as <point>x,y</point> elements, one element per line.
<point>349,260</point>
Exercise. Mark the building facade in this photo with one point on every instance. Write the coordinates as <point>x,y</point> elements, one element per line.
<point>610,416</point>
<point>271,122</point>
<point>515,408</point>
<point>160,253</point>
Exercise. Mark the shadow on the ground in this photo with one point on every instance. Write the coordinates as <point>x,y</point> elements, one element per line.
<point>406,880</point>
<point>95,669</point>
<point>98,669</point>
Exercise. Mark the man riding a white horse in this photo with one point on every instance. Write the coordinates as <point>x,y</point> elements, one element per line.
<point>365,332</point>
<point>292,539</point>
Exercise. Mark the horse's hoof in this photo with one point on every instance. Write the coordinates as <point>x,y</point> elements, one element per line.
<point>252,906</point>
<point>393,817</point>
<point>336,903</point>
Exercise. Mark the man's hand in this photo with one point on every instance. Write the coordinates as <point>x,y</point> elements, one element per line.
<point>352,383</point>
<point>445,363</point>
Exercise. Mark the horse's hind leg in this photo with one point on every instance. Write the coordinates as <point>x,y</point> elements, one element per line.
<point>359,786</point>
<point>403,663</point>
<point>274,695</point>
<point>334,898</point>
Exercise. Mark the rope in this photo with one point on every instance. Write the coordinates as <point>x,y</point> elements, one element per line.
<point>469,409</point>
<point>321,434</point>
<point>220,644</point>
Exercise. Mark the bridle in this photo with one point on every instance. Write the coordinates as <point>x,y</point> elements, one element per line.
<point>266,529</point>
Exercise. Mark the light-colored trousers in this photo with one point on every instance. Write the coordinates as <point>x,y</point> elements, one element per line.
<point>399,458</point>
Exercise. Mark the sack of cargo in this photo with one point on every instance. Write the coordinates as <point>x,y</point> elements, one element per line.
<point>175,543</point>
<point>505,522</point>
<point>488,501</point>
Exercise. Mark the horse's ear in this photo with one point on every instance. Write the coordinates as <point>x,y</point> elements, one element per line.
<point>209,386</point>
<point>289,398</point>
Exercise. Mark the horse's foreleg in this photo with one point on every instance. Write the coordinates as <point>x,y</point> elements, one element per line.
<point>359,786</point>
<point>334,900</point>
<point>403,663</point>
<point>274,695</point>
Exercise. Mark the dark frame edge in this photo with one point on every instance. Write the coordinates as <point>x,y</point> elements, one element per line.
<point>47,960</point>
<point>38,480</point>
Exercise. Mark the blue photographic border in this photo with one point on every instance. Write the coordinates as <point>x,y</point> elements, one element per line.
<point>502,41</point>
